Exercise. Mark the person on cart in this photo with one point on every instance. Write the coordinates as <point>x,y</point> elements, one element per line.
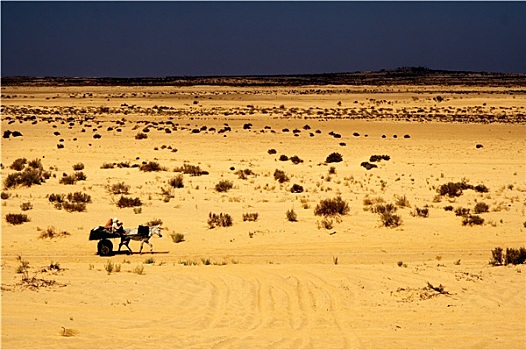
<point>117,227</point>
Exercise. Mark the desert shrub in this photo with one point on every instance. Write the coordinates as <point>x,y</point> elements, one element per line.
<point>368,165</point>
<point>421,212</point>
<point>334,157</point>
<point>139,269</point>
<point>462,211</point>
<point>272,151</point>
<point>154,222</point>
<point>280,176</point>
<point>329,207</point>
<point>177,237</point>
<point>107,166</point>
<point>109,266</point>
<point>35,164</point>
<point>242,174</point>
<point>151,166</point>
<point>73,206</point>
<point>472,220</point>
<point>402,201</point>
<point>79,197</point>
<point>332,170</point>
<point>481,189</point>
<point>192,170</point>
<point>296,160</point>
<point>68,180</point>
<point>296,188</point>
<point>119,188</point>
<point>59,198</point>
<point>377,158</point>
<point>51,232</point>
<point>481,207</point>
<point>384,208</point>
<point>19,164</point>
<point>5,195</point>
<point>367,201</point>
<point>128,202</point>
<point>26,206</point>
<point>16,219</point>
<point>224,186</point>
<point>78,167</point>
<point>177,181</point>
<point>453,189</point>
<point>291,215</point>
<point>141,136</point>
<point>221,220</point>
<point>496,256</point>
<point>149,261</point>
<point>80,176</point>
<point>283,158</point>
<point>250,217</point>
<point>515,256</point>
<point>448,208</point>
<point>326,224</point>
<point>389,219</point>
<point>27,178</point>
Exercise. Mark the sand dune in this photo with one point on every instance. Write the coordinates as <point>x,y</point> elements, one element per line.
<point>271,283</point>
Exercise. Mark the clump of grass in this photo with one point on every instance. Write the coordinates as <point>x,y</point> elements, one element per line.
<point>326,223</point>
<point>453,189</point>
<point>27,178</point>
<point>177,237</point>
<point>402,201</point>
<point>151,166</point>
<point>377,158</point>
<point>109,267</point>
<point>74,206</point>
<point>139,269</point>
<point>243,174</point>
<point>189,169</point>
<point>332,170</point>
<point>78,167</point>
<point>448,208</point>
<point>129,202</point>
<point>280,176</point>
<point>512,256</point>
<point>462,211</point>
<point>481,207</point>
<point>51,232</point>
<point>421,212</point>
<point>26,206</point>
<point>368,166</point>
<point>221,220</point>
<point>330,207</point>
<point>334,157</point>
<point>149,261</point>
<point>79,197</point>
<point>250,216</point>
<point>107,166</point>
<point>291,215</point>
<point>141,136</point>
<point>177,181</point>
<point>154,222</point>
<point>472,220</point>
<point>119,188</point>
<point>224,186</point>
<point>16,219</point>
<point>18,164</point>
<point>388,218</point>
<point>481,189</point>
<point>72,179</point>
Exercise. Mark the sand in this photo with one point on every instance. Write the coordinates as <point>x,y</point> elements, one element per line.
<point>271,283</point>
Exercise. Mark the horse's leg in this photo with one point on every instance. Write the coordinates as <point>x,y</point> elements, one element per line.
<point>128,245</point>
<point>142,243</point>
<point>151,247</point>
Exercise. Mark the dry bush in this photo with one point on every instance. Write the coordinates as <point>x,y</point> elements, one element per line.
<point>154,222</point>
<point>107,166</point>
<point>177,237</point>
<point>78,167</point>
<point>68,180</point>
<point>280,176</point>
<point>151,166</point>
<point>291,215</point>
<point>141,136</point>
<point>334,157</point>
<point>481,207</point>
<point>283,158</point>
<point>177,181</point>
<point>119,188</point>
<point>52,232</point>
<point>26,206</point>
<point>19,164</point>
<point>472,220</point>
<point>402,201</point>
<point>5,195</point>
<point>462,211</point>
<point>73,206</point>
<point>250,217</point>
<point>326,224</point>
<point>128,202</point>
<point>27,178</point>
<point>16,219</point>
<point>272,151</point>
<point>377,158</point>
<point>330,207</point>
<point>368,165</point>
<point>243,174</point>
<point>296,160</point>
<point>79,197</point>
<point>192,170</point>
<point>224,186</point>
<point>296,188</point>
<point>421,212</point>
<point>221,220</point>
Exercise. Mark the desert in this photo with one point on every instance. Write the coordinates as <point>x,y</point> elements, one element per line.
<point>293,215</point>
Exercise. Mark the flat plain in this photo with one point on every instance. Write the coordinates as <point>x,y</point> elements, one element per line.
<point>289,276</point>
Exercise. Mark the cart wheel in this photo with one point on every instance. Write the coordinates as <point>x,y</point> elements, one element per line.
<point>105,247</point>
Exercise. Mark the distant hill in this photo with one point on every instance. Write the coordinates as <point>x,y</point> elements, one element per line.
<point>399,76</point>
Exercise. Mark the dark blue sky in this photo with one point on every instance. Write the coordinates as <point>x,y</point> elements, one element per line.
<point>138,39</point>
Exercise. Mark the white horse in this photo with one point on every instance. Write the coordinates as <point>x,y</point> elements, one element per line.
<point>143,234</point>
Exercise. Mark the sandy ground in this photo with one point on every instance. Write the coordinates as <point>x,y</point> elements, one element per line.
<point>271,283</point>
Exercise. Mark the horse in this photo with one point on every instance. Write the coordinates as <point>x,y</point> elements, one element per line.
<point>143,234</point>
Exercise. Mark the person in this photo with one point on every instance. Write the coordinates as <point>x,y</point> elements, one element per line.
<point>109,225</point>
<point>117,226</point>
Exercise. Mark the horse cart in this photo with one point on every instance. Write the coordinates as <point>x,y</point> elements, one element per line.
<point>104,236</point>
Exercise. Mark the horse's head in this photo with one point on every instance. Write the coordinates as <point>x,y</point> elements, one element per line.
<point>156,230</point>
